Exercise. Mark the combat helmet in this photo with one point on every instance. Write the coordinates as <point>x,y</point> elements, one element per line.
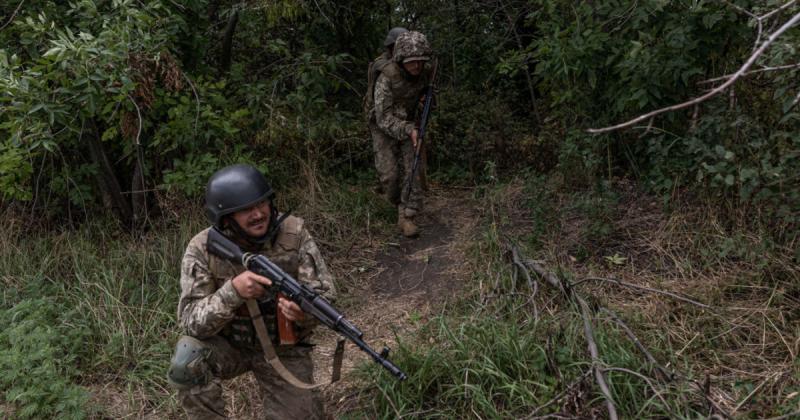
<point>411,46</point>
<point>391,37</point>
<point>234,188</point>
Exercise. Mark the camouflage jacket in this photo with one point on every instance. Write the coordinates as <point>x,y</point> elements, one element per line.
<point>210,305</point>
<point>396,100</point>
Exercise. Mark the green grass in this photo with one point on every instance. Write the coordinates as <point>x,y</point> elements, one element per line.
<point>92,310</point>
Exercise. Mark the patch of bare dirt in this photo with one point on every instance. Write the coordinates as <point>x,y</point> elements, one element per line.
<point>409,280</point>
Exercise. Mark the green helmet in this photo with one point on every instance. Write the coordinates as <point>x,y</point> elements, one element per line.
<point>235,188</point>
<point>412,46</point>
<point>391,37</point>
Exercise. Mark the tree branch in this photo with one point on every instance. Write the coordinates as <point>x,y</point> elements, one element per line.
<point>649,356</point>
<point>14,14</point>
<point>598,372</point>
<point>636,286</point>
<point>742,70</point>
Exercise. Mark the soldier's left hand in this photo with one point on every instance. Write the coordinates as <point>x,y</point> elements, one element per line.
<point>290,310</point>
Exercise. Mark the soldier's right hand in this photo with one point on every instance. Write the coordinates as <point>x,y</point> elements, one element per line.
<point>250,285</point>
<point>414,137</point>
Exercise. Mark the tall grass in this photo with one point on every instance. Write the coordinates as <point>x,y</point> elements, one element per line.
<point>98,307</point>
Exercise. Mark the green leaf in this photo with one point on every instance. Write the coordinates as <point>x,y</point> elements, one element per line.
<point>729,180</point>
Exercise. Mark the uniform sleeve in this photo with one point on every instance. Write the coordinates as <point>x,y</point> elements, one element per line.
<point>312,270</point>
<point>204,309</point>
<point>391,124</point>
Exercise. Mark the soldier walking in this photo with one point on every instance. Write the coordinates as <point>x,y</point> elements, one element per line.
<point>393,105</point>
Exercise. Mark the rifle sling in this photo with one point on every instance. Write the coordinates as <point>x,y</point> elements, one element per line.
<point>272,357</point>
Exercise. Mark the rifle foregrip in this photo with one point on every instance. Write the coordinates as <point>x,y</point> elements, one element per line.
<point>286,333</point>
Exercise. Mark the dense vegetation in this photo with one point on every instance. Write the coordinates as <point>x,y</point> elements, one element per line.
<point>113,113</point>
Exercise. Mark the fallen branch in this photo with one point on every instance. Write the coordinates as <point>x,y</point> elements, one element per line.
<point>561,394</point>
<point>598,372</point>
<point>533,284</point>
<point>743,69</point>
<point>547,276</point>
<point>636,286</point>
<point>667,376</point>
<point>648,381</point>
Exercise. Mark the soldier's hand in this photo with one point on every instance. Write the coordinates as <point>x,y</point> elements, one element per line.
<point>250,285</point>
<point>414,137</point>
<point>290,310</point>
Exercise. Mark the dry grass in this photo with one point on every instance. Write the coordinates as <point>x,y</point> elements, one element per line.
<point>745,347</point>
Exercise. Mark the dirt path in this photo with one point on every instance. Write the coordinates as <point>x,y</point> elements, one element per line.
<point>395,285</point>
<point>408,282</point>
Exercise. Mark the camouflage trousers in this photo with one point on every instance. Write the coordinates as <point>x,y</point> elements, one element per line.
<point>281,400</point>
<point>393,161</point>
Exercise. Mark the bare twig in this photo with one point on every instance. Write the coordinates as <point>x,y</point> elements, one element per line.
<point>533,284</point>
<point>139,114</point>
<point>754,391</point>
<point>749,73</point>
<point>12,15</point>
<point>598,372</point>
<point>547,276</point>
<point>636,286</point>
<point>574,383</point>
<point>197,100</point>
<point>752,59</point>
<point>649,356</point>
<point>705,388</point>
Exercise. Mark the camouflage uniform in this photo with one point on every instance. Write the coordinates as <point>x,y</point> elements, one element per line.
<point>212,311</point>
<point>396,99</point>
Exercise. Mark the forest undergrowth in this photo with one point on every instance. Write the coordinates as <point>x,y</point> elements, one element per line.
<point>689,318</point>
<point>92,310</point>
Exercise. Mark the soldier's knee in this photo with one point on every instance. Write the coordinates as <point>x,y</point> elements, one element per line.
<point>189,367</point>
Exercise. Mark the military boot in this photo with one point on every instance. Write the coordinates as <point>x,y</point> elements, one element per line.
<point>405,222</point>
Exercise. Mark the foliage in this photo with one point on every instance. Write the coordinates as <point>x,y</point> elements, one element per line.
<point>41,349</point>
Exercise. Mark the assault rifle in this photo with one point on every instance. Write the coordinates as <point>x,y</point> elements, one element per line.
<point>423,122</point>
<point>310,301</point>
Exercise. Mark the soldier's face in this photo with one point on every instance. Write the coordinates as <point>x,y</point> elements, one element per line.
<point>414,68</point>
<point>254,220</point>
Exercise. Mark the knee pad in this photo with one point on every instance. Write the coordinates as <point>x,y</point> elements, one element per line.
<point>188,367</point>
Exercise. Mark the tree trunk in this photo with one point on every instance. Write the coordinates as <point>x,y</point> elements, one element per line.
<point>227,42</point>
<point>107,180</point>
<point>138,193</point>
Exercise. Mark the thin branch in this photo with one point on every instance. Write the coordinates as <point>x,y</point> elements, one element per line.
<point>775,35</point>
<point>197,100</point>
<point>753,392</point>
<point>321,12</point>
<point>547,276</point>
<point>649,356</point>
<point>12,15</point>
<point>636,286</point>
<point>562,393</point>
<point>518,262</point>
<point>598,372</point>
<point>761,70</point>
<point>139,114</point>
<point>778,10</point>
